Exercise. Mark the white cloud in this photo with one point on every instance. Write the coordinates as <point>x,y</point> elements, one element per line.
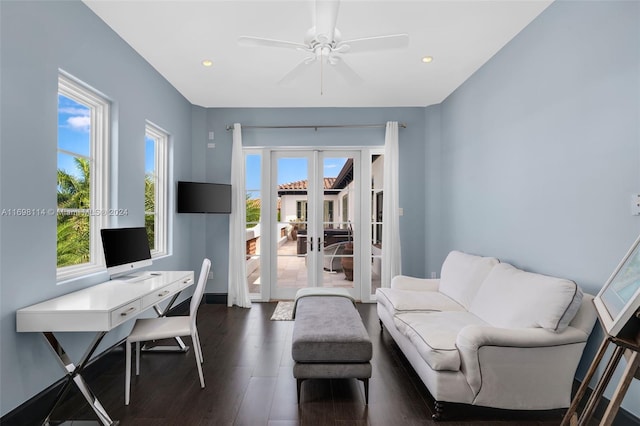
<point>73,111</point>
<point>79,122</point>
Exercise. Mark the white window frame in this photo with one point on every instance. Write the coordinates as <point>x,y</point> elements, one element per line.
<point>161,164</point>
<point>99,108</point>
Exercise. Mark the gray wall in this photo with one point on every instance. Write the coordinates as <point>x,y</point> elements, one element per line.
<point>37,38</point>
<point>540,149</point>
<point>217,167</point>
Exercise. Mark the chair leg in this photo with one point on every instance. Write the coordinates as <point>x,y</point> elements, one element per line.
<point>196,343</point>
<point>137,358</point>
<point>196,352</point>
<point>127,374</point>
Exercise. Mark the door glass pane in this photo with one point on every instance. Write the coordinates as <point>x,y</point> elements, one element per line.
<point>337,250</point>
<point>292,220</point>
<point>377,183</point>
<point>253,183</point>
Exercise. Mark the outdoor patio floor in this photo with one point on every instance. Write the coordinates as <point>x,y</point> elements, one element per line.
<point>292,272</point>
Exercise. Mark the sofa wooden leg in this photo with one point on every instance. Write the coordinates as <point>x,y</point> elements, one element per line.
<point>438,408</point>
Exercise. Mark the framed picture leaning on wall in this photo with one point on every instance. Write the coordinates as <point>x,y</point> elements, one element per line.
<point>619,299</point>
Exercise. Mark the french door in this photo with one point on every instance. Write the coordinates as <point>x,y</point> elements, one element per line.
<point>316,234</point>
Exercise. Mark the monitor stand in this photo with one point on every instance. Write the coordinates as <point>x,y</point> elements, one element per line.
<point>133,277</point>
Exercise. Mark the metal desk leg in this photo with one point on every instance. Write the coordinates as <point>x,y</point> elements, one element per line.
<point>180,346</point>
<point>74,376</point>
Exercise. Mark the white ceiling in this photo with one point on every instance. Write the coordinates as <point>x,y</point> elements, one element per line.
<point>175,36</point>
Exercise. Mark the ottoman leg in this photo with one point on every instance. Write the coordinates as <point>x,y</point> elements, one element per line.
<point>365,382</point>
<point>299,386</point>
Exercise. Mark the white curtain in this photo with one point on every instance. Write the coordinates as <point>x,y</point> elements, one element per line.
<point>238,285</point>
<point>391,257</point>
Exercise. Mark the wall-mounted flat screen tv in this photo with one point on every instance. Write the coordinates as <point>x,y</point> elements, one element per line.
<point>200,197</point>
<point>619,299</point>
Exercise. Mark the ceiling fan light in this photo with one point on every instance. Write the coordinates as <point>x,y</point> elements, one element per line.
<point>427,59</point>
<point>207,63</point>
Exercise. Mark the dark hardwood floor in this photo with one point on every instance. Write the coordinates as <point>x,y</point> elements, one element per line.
<point>249,381</point>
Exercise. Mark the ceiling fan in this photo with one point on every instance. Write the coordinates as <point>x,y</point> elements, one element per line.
<point>324,44</point>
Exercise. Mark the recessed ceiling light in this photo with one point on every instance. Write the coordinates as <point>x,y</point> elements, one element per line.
<point>207,63</point>
<point>427,59</point>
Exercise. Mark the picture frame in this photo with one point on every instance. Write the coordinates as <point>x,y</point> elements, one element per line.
<point>619,299</point>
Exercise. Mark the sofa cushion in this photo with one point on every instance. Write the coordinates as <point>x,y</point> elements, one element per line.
<point>462,274</point>
<point>434,335</point>
<point>513,298</point>
<point>396,301</point>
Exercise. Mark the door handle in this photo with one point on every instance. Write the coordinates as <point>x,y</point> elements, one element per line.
<point>319,244</point>
<point>311,242</point>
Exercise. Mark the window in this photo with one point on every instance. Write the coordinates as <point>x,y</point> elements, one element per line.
<point>155,188</point>
<point>82,178</point>
<point>345,210</point>
<point>301,210</point>
<point>328,213</point>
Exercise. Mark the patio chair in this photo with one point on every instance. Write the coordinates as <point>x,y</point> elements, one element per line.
<point>332,259</point>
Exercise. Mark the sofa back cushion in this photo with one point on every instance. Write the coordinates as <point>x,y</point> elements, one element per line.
<point>512,298</point>
<point>462,275</point>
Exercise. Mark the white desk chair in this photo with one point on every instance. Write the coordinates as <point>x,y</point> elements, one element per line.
<point>146,329</point>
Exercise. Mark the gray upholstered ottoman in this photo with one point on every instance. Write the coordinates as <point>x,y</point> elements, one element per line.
<point>329,340</point>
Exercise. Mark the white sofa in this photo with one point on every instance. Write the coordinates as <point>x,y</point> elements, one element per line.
<point>489,334</point>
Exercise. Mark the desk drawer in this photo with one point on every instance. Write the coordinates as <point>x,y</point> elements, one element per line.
<point>164,293</point>
<point>125,312</point>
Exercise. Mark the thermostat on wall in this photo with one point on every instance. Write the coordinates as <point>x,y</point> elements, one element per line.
<point>635,204</point>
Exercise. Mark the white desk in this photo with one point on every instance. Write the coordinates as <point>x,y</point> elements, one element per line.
<point>98,309</point>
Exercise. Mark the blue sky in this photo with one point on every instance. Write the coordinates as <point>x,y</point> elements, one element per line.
<point>289,170</point>
<point>73,135</point>
<point>73,132</point>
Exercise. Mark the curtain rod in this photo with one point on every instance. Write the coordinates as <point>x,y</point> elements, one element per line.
<point>320,126</point>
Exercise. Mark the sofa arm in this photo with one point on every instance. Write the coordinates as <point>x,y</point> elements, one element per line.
<point>472,337</point>
<point>404,282</point>
<point>510,368</point>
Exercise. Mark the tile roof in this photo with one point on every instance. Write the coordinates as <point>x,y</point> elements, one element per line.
<point>303,184</point>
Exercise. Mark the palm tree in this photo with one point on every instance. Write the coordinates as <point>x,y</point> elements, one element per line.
<point>73,229</point>
<point>253,211</point>
<point>150,208</point>
<point>73,192</point>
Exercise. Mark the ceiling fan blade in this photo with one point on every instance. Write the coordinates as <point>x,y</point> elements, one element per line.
<point>370,44</point>
<point>297,71</point>
<point>325,18</point>
<point>345,71</point>
<point>267,42</point>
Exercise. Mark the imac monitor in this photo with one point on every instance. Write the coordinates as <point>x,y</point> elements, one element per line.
<point>619,299</point>
<point>125,249</point>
